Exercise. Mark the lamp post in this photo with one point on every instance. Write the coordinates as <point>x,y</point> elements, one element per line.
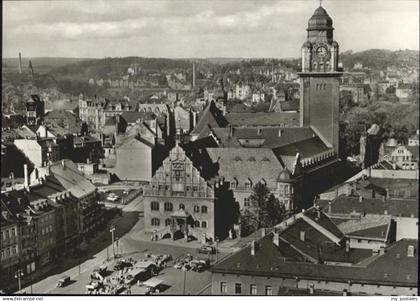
<point>112,230</point>
<point>217,249</point>
<point>18,275</point>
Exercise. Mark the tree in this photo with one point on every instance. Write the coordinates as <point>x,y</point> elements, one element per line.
<point>265,210</point>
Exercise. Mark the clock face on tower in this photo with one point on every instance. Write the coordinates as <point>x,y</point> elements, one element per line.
<point>321,51</point>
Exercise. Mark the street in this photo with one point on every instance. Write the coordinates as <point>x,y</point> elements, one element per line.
<point>133,243</point>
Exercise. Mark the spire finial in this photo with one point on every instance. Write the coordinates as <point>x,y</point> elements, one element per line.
<point>320,3</point>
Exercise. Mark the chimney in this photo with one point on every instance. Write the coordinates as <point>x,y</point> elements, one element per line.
<point>276,239</point>
<point>193,75</point>
<point>36,174</point>
<point>329,207</point>
<point>410,251</point>
<point>263,232</point>
<point>26,176</point>
<point>360,199</point>
<point>20,63</point>
<point>302,235</point>
<point>63,163</point>
<point>385,212</point>
<point>46,131</point>
<point>253,247</point>
<point>347,246</point>
<point>383,198</point>
<point>280,132</point>
<point>318,213</point>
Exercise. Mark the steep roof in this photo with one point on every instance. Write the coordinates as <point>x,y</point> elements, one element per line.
<point>71,178</point>
<point>132,117</point>
<point>349,204</point>
<point>306,148</point>
<point>263,119</point>
<point>271,137</point>
<point>212,117</point>
<point>244,164</point>
<point>269,261</point>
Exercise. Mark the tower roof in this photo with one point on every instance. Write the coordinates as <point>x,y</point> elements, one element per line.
<point>320,20</point>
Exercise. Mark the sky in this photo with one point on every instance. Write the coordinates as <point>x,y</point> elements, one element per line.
<point>200,28</point>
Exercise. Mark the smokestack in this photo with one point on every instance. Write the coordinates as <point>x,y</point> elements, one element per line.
<point>193,76</point>
<point>26,176</point>
<point>20,63</point>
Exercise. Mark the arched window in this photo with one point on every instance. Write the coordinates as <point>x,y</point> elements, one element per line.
<point>182,206</point>
<point>203,209</point>
<point>196,208</point>
<point>203,224</point>
<point>154,206</point>
<point>155,221</point>
<point>168,222</point>
<point>197,224</point>
<point>168,206</point>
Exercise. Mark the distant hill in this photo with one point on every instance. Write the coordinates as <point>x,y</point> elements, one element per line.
<point>224,60</point>
<point>40,64</point>
<point>380,59</point>
<point>115,67</point>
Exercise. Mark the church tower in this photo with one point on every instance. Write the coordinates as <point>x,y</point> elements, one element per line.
<point>319,79</point>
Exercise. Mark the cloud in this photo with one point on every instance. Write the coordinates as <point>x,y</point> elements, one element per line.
<point>186,26</point>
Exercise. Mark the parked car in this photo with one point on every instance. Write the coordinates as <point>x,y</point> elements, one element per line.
<point>207,250</point>
<point>121,264</point>
<point>63,281</point>
<point>112,197</point>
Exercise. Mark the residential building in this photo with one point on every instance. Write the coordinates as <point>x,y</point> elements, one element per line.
<point>309,255</point>
<point>40,152</point>
<point>35,110</point>
<point>91,111</point>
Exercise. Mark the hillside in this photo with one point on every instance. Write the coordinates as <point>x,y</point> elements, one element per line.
<point>380,59</point>
<point>115,67</point>
<point>40,64</point>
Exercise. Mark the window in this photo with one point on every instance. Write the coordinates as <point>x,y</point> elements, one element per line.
<point>238,288</point>
<point>155,221</point>
<point>196,208</point>
<point>223,287</point>
<point>233,185</point>
<point>168,206</point>
<point>253,289</point>
<point>154,206</point>
<point>247,185</point>
<point>268,290</point>
<point>203,209</point>
<point>197,224</point>
<point>168,222</point>
<point>182,206</point>
<point>177,175</point>
<point>247,203</point>
<point>203,224</point>
<point>195,188</point>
